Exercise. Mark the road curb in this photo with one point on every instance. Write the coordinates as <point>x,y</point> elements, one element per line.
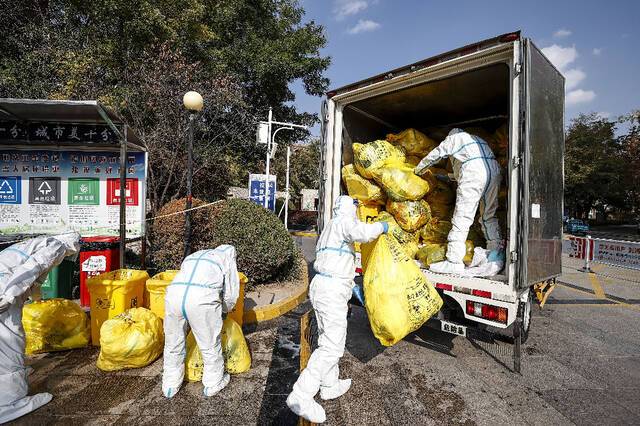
<point>304,234</point>
<point>268,312</point>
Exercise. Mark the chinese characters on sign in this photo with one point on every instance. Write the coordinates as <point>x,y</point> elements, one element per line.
<point>258,190</point>
<point>56,132</point>
<point>77,190</point>
<point>620,253</point>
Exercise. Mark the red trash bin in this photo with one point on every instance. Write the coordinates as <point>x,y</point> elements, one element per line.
<point>97,255</point>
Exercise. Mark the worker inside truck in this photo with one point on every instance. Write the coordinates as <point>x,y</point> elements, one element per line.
<point>478,177</point>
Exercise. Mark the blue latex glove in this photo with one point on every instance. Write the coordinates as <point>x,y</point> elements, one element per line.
<point>358,293</point>
<point>496,256</point>
<point>385,227</point>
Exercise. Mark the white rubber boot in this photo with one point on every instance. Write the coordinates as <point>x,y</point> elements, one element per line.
<point>212,390</point>
<point>306,408</point>
<point>335,391</point>
<point>446,267</point>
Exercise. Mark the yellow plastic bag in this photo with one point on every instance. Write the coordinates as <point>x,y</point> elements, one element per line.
<point>413,142</point>
<point>235,351</point>
<point>360,188</point>
<point>368,213</point>
<point>413,160</point>
<point>54,325</point>
<point>410,215</point>
<point>441,193</point>
<point>132,339</point>
<point>441,211</point>
<point>367,158</point>
<point>436,231</point>
<point>431,253</point>
<point>408,240</point>
<point>401,184</point>
<point>398,297</point>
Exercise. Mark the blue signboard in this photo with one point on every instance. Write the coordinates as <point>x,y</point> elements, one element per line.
<point>258,189</point>
<point>10,190</point>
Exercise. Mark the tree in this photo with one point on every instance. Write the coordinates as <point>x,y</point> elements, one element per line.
<point>304,168</point>
<point>594,166</point>
<point>631,151</point>
<point>140,56</point>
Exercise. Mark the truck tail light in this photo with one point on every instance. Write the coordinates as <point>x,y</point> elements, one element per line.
<point>488,312</point>
<point>481,293</point>
<point>442,286</point>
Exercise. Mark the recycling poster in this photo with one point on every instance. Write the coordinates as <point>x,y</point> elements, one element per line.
<point>52,191</point>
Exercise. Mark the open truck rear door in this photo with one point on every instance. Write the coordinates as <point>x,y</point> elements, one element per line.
<point>542,170</point>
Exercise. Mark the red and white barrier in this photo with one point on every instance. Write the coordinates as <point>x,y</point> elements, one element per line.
<point>625,254</point>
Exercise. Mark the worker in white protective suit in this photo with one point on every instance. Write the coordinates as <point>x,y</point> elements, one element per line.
<point>206,287</point>
<point>23,266</point>
<point>329,292</point>
<point>478,175</point>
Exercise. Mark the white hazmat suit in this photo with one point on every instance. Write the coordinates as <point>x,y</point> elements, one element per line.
<point>206,286</point>
<point>23,266</point>
<point>329,292</point>
<point>478,175</point>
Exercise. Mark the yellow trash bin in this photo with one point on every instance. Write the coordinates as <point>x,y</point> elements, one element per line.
<point>237,312</point>
<point>154,291</point>
<point>112,293</point>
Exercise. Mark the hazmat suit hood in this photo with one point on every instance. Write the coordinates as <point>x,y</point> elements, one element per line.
<point>455,131</point>
<point>344,206</point>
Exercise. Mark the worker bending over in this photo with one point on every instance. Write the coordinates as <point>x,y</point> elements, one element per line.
<point>478,175</point>
<point>329,292</point>
<point>206,286</point>
<point>23,267</point>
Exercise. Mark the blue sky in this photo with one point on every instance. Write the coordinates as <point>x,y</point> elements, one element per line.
<point>594,43</point>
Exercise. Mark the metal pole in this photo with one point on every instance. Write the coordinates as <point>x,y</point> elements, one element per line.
<point>187,217</point>
<point>266,194</point>
<point>587,254</point>
<point>286,200</point>
<point>123,196</point>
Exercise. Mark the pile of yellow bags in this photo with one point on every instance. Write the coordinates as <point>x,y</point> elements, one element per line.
<point>410,215</point>
<point>360,188</point>
<point>370,157</point>
<point>133,339</point>
<point>54,325</point>
<point>398,297</point>
<point>237,358</point>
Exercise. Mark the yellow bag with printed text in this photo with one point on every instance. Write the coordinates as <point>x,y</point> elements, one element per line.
<point>369,157</point>
<point>436,231</point>
<point>235,351</point>
<point>398,297</point>
<point>413,142</point>
<point>402,184</point>
<point>408,240</point>
<point>54,325</point>
<point>360,188</point>
<point>432,253</point>
<point>132,339</point>
<point>410,215</point>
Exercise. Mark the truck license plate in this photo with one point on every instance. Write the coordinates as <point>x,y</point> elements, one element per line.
<point>449,327</point>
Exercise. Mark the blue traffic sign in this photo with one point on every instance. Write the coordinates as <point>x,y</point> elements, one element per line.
<point>257,190</point>
<point>10,190</point>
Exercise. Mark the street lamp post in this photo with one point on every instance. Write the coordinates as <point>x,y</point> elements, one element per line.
<point>193,102</point>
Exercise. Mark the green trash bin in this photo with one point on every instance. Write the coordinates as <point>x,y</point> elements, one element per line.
<point>58,282</point>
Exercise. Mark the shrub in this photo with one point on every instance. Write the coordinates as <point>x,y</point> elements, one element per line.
<point>266,251</point>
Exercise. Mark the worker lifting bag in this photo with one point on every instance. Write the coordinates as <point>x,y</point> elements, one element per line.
<point>235,351</point>
<point>132,339</point>
<point>54,325</point>
<point>398,297</point>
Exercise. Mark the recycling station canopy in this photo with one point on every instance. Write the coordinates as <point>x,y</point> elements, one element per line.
<point>61,168</point>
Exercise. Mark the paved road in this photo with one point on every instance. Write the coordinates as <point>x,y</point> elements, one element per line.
<point>581,365</point>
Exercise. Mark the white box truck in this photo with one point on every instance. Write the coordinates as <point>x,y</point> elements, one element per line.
<point>503,80</point>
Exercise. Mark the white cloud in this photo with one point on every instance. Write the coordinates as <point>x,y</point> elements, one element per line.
<point>604,115</point>
<point>597,51</point>
<point>364,25</point>
<point>562,33</point>
<point>580,96</point>
<point>573,78</point>
<point>344,8</point>
<point>560,56</point>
